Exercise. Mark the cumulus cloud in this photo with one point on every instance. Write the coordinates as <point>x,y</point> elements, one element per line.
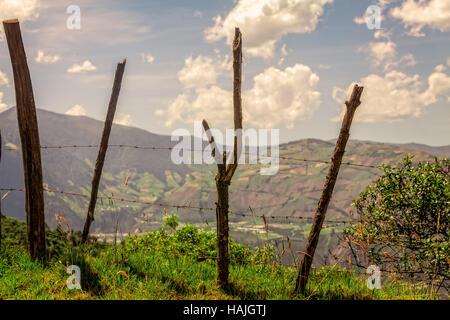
<point>123,119</point>
<point>282,96</point>
<point>438,85</point>
<point>202,71</point>
<point>385,55</point>
<point>277,96</point>
<point>4,81</point>
<point>382,52</point>
<point>3,106</point>
<point>86,66</point>
<point>23,10</point>
<point>264,22</point>
<point>46,59</point>
<point>76,110</point>
<point>200,104</point>
<point>415,15</point>
<point>395,96</point>
<point>148,58</point>
<point>382,34</point>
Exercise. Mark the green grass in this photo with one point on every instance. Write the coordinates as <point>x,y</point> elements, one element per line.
<point>162,265</point>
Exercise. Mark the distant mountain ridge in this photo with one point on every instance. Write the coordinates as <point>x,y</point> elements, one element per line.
<point>440,151</point>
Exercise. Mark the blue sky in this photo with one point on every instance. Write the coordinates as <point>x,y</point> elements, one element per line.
<point>300,59</point>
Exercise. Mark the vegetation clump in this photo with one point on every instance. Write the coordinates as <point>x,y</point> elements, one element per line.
<point>405,222</point>
<point>177,265</point>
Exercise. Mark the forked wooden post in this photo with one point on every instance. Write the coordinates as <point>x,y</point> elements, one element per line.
<point>29,138</point>
<point>225,172</point>
<point>327,191</point>
<point>103,147</point>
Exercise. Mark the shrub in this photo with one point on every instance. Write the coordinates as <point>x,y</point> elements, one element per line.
<point>405,220</point>
<point>202,244</point>
<point>171,221</point>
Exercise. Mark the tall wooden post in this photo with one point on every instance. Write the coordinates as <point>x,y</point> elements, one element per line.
<point>103,148</point>
<point>225,172</point>
<point>29,138</point>
<point>327,191</point>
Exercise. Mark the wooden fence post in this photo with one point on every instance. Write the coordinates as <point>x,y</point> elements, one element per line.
<point>327,191</point>
<point>103,147</point>
<point>225,172</point>
<point>29,137</point>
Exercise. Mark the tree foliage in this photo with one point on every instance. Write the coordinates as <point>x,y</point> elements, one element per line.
<point>404,225</point>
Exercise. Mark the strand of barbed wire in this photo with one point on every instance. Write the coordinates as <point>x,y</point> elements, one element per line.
<point>194,150</point>
<point>179,206</point>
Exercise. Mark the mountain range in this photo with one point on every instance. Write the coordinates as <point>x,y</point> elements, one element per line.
<point>148,177</point>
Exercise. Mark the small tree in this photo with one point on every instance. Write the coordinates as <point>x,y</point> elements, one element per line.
<point>405,221</point>
<point>171,222</point>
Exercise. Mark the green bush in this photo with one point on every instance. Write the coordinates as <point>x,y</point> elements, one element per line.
<point>405,220</point>
<point>189,240</point>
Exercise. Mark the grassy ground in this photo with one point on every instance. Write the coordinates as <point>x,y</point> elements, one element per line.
<point>169,265</point>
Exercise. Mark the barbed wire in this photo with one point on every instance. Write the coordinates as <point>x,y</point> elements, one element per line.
<point>328,162</point>
<point>176,206</point>
<point>115,199</point>
<point>194,150</point>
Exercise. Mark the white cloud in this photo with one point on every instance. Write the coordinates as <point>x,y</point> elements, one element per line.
<point>438,85</point>
<point>202,71</point>
<point>203,103</point>
<point>46,59</point>
<point>284,53</point>
<point>3,106</point>
<point>382,52</point>
<point>264,22</point>
<point>84,67</point>
<point>148,58</point>
<point>385,55</point>
<point>4,81</point>
<point>198,14</point>
<point>382,33</point>
<point>415,15</point>
<point>282,96</point>
<point>76,110</point>
<point>22,10</point>
<point>123,119</point>
<point>277,96</point>
<point>395,96</point>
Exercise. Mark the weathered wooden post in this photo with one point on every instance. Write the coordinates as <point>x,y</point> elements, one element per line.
<point>29,138</point>
<point>327,191</point>
<point>103,147</point>
<point>225,172</point>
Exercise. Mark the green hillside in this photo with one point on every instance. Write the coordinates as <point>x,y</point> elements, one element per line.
<point>169,265</point>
